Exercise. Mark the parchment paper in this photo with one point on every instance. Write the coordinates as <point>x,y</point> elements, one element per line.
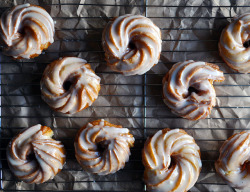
<point>190,30</point>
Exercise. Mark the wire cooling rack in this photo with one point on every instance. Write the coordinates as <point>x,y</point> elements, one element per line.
<point>190,30</point>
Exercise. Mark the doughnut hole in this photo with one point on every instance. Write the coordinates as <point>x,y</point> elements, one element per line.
<point>31,156</point>
<point>20,34</point>
<point>67,84</point>
<point>172,163</point>
<point>246,166</point>
<point>21,31</point>
<point>131,45</point>
<point>70,81</point>
<point>190,91</point>
<point>246,44</point>
<point>102,147</point>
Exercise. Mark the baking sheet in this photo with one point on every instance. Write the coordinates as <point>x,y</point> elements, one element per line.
<point>190,30</point>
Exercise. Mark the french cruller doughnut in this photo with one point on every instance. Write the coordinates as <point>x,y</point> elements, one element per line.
<point>132,44</point>
<point>233,162</point>
<point>172,161</point>
<point>103,148</point>
<point>69,85</point>
<point>188,88</point>
<point>234,44</point>
<point>33,156</point>
<point>26,30</point>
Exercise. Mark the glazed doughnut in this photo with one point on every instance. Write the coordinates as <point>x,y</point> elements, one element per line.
<point>231,45</point>
<point>103,148</point>
<point>172,161</point>
<point>188,88</point>
<point>26,30</point>
<point>33,156</point>
<point>132,44</point>
<point>69,85</point>
<point>233,162</point>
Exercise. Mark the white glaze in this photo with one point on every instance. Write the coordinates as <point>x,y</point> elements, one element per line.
<point>49,157</point>
<point>233,154</point>
<point>83,91</point>
<point>166,146</point>
<point>117,143</point>
<point>231,44</point>
<point>36,24</point>
<point>139,30</point>
<point>191,74</point>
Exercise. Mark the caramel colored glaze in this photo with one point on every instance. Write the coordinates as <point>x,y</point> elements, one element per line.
<point>27,30</point>
<point>115,141</point>
<point>233,162</point>
<point>49,155</point>
<point>83,90</point>
<point>131,29</point>
<point>172,161</point>
<point>192,105</point>
<point>231,44</point>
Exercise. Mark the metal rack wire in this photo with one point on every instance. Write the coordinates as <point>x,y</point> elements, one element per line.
<point>140,107</point>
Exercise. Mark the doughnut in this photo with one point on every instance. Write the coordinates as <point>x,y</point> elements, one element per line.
<point>234,42</point>
<point>69,85</point>
<point>27,30</point>
<point>172,161</point>
<point>103,148</point>
<point>233,162</point>
<point>188,88</point>
<point>132,44</point>
<point>33,156</point>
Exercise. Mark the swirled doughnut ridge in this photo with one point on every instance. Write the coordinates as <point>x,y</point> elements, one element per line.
<point>231,44</point>
<point>233,162</point>
<point>132,44</point>
<point>188,88</point>
<point>69,85</point>
<point>103,148</point>
<point>172,161</point>
<point>26,30</point>
<point>34,157</point>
